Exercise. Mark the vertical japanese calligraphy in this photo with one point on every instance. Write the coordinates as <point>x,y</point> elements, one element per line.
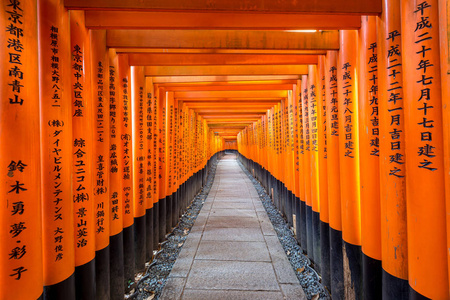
<point>424,148</point>
<point>56,142</point>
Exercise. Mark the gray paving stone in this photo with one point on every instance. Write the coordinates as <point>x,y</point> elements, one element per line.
<point>233,199</point>
<point>230,250</point>
<point>230,222</point>
<point>181,267</point>
<point>233,205</point>
<point>233,213</point>
<point>293,291</point>
<point>190,294</point>
<point>232,275</point>
<point>283,268</point>
<point>173,288</point>
<point>248,234</point>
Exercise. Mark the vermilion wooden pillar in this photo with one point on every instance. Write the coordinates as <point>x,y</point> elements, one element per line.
<point>20,218</point>
<point>56,149</point>
<point>333,175</point>
<point>101,163</point>
<point>428,272</point>
<point>444,32</point>
<point>161,111</point>
<point>116,184</point>
<point>124,101</point>
<point>82,152</point>
<point>394,243</point>
<point>307,166</point>
<point>314,168</point>
<point>323,174</point>
<point>148,135</point>
<point>139,162</point>
<point>301,162</point>
<point>369,145</point>
<point>349,161</point>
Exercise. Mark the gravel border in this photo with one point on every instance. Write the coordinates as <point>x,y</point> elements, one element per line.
<point>308,277</point>
<point>158,270</point>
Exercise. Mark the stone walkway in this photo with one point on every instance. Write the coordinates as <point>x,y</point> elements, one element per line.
<point>232,251</point>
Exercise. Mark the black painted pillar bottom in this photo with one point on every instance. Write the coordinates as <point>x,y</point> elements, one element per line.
<point>353,270</point>
<point>128,250</point>
<point>371,269</point>
<point>61,290</point>
<point>336,265</point>
<point>325,253</point>
<point>116,266</point>
<point>102,273</point>
<point>85,281</point>
<point>394,288</point>
<point>140,235</point>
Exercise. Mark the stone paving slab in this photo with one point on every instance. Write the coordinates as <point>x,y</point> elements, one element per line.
<point>232,275</point>
<point>190,294</point>
<point>236,222</point>
<point>232,251</point>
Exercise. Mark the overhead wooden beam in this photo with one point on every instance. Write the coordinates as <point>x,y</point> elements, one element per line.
<point>230,87</point>
<point>233,21</point>
<point>218,51</point>
<point>273,84</point>
<point>226,99</point>
<point>221,78</point>
<point>231,94</point>
<point>219,59</point>
<point>366,7</point>
<point>223,39</point>
<point>226,70</point>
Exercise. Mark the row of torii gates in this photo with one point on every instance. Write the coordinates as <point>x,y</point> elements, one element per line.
<point>111,112</point>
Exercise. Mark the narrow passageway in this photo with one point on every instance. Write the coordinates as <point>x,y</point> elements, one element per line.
<point>232,251</point>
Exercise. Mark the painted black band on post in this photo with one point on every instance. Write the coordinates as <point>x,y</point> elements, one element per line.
<point>353,270</point>
<point>325,254</point>
<point>102,273</point>
<point>371,278</point>
<point>128,258</point>
<point>303,228</point>
<point>336,265</point>
<point>85,281</point>
<point>394,288</point>
<point>298,221</point>
<point>62,290</point>
<point>116,266</point>
<point>316,240</point>
<point>149,234</point>
<point>162,219</point>
<point>155,224</point>
<point>309,232</point>
<point>140,235</point>
<point>169,211</point>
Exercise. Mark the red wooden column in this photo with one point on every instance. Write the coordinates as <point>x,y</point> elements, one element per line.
<point>369,145</point>
<point>301,162</point>
<point>161,116</point>
<point>333,175</point>
<point>20,218</point>
<point>428,272</point>
<point>83,198</point>
<point>307,165</point>
<point>323,172</point>
<point>124,101</point>
<point>314,171</point>
<point>394,243</point>
<point>444,31</point>
<point>148,135</point>
<point>56,149</point>
<point>116,184</point>
<point>139,162</point>
<point>100,99</point>
<point>349,160</point>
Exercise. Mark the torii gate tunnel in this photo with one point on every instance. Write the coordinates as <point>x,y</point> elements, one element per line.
<point>111,113</point>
